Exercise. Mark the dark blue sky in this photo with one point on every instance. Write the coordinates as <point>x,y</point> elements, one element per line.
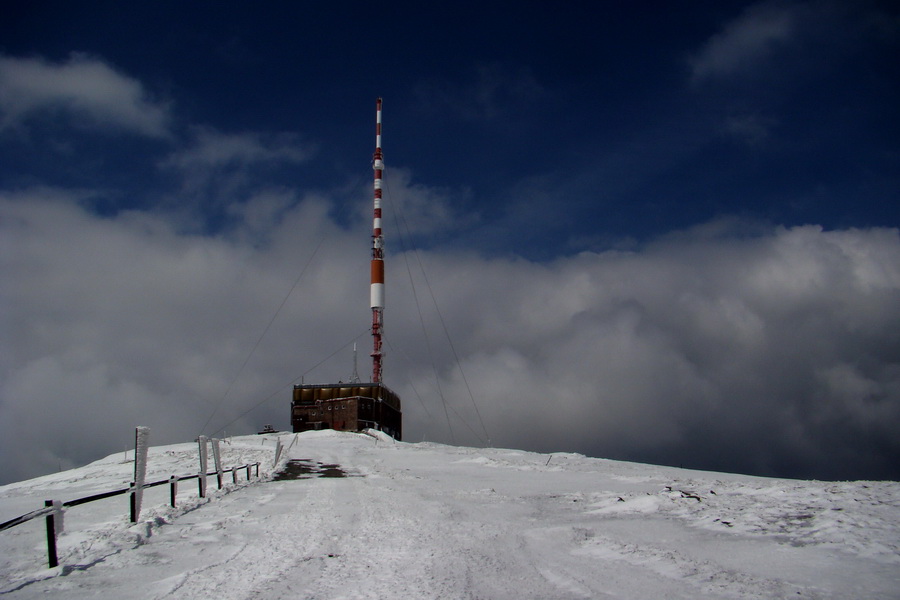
<point>553,128</point>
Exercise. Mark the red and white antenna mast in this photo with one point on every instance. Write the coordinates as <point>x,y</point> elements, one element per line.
<point>377,286</point>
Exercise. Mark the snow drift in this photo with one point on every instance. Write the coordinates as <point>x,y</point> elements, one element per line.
<point>432,521</point>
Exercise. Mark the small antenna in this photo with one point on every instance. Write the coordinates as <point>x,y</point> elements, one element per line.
<point>355,377</point>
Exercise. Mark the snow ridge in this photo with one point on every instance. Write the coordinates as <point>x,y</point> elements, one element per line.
<point>433,521</point>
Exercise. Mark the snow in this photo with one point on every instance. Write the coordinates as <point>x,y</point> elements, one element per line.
<point>432,521</point>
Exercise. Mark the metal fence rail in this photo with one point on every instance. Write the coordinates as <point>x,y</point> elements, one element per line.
<point>25,518</point>
<point>52,508</point>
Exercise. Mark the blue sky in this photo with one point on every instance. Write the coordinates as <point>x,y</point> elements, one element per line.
<point>665,234</point>
<point>559,128</point>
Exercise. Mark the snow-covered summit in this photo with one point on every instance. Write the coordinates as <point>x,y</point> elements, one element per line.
<point>433,521</point>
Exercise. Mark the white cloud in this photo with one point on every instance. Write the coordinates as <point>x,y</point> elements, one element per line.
<point>214,149</point>
<point>744,42</point>
<point>795,40</point>
<point>218,165</point>
<point>768,353</point>
<point>424,210</point>
<point>86,90</point>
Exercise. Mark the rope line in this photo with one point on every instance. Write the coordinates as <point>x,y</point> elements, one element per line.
<point>290,383</point>
<point>409,380</point>
<point>487,438</point>
<point>265,331</point>
<point>437,379</point>
<point>452,347</point>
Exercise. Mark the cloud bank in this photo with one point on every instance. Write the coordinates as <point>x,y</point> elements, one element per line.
<point>768,350</point>
<point>770,354</point>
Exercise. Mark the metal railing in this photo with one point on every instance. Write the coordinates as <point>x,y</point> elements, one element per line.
<point>53,508</point>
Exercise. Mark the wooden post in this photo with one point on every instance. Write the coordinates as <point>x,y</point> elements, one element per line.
<point>51,537</point>
<point>173,489</point>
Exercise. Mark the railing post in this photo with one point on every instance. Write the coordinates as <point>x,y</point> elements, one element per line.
<point>141,448</point>
<point>132,495</point>
<point>173,489</point>
<point>51,537</point>
<point>248,472</point>
<point>58,516</point>
<point>203,465</point>
<point>217,458</point>
<point>234,475</point>
<point>278,449</point>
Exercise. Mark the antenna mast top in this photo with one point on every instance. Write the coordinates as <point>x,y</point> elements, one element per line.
<point>377,279</point>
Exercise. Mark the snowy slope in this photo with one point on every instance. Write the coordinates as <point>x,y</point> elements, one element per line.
<point>432,521</point>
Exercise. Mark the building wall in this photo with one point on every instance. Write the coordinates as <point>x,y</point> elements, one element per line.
<point>346,408</point>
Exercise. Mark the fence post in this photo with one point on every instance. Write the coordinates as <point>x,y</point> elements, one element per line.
<point>141,447</point>
<point>217,458</point>
<point>58,516</point>
<point>278,449</point>
<point>132,495</point>
<point>173,489</point>
<point>234,474</point>
<point>51,537</point>
<point>203,466</point>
